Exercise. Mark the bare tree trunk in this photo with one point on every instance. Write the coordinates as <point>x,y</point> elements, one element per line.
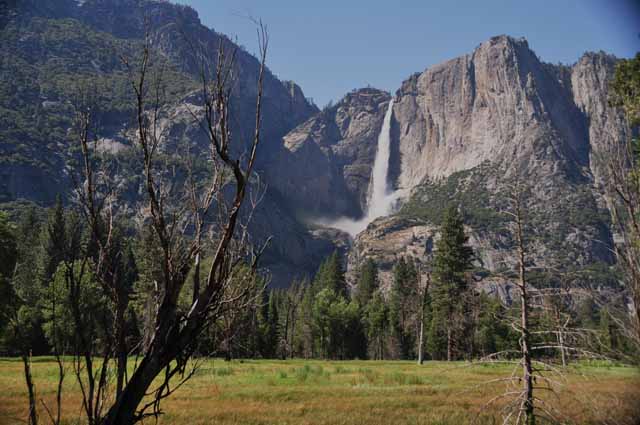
<point>174,336</point>
<point>563,354</point>
<point>423,304</point>
<point>526,405</point>
<point>449,342</point>
<point>61,375</point>
<point>527,402</point>
<point>196,278</point>
<point>31,388</point>
<point>121,347</point>
<point>561,327</point>
<point>124,410</point>
<point>420,338</point>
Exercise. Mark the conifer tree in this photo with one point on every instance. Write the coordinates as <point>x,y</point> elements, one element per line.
<point>403,306</point>
<point>331,276</point>
<point>307,331</point>
<point>55,242</point>
<point>272,331</point>
<point>8,258</point>
<point>376,319</point>
<point>452,259</point>
<point>367,282</point>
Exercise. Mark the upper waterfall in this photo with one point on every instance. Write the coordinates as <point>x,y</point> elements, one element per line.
<point>381,199</point>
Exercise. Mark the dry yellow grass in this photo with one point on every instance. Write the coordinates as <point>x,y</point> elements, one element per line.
<point>350,392</point>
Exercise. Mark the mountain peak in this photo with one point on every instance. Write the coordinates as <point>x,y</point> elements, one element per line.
<point>508,40</point>
<point>508,45</point>
<point>364,95</point>
<point>599,57</point>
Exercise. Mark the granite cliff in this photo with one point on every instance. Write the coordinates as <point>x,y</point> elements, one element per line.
<point>466,128</point>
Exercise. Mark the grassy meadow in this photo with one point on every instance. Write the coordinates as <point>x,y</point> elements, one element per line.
<point>343,392</point>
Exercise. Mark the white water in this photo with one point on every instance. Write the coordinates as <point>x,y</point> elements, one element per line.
<point>381,201</point>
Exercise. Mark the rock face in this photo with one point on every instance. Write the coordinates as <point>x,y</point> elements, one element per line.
<point>465,129</point>
<point>325,166</point>
<point>389,238</point>
<point>498,104</point>
<point>51,44</point>
<point>589,83</point>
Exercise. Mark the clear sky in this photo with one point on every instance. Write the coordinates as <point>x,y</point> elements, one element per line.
<point>330,47</point>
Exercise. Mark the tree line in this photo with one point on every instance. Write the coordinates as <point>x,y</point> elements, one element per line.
<point>431,310</point>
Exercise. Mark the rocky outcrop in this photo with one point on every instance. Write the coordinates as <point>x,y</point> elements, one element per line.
<point>389,238</point>
<point>325,166</point>
<point>590,78</point>
<point>498,104</point>
<point>464,129</point>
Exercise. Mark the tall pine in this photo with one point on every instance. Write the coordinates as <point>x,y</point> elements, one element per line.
<point>452,259</point>
<point>55,242</point>
<point>331,276</point>
<point>403,306</point>
<point>367,282</point>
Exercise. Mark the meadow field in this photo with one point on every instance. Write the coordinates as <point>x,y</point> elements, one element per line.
<point>344,392</point>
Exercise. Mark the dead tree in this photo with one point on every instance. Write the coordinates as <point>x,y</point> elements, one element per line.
<point>526,397</point>
<point>620,163</point>
<point>531,374</point>
<point>33,413</point>
<point>424,293</point>
<point>175,334</point>
<point>292,299</point>
<point>522,406</point>
<point>184,216</point>
<point>622,179</point>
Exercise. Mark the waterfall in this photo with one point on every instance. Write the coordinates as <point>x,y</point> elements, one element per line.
<point>380,201</point>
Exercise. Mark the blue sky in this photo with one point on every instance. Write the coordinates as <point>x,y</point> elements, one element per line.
<point>331,47</point>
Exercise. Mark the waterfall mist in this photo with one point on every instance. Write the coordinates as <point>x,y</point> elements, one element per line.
<point>381,201</point>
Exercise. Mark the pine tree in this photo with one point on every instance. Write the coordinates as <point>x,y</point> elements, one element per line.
<point>290,312</point>
<point>26,282</point>
<point>376,319</point>
<point>367,282</point>
<point>272,326</point>
<point>8,259</point>
<point>404,306</point>
<point>306,329</point>
<point>331,276</point>
<point>322,321</point>
<point>55,244</point>
<point>452,259</point>
<point>492,333</point>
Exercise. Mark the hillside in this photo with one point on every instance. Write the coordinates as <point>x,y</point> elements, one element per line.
<point>51,49</point>
<point>459,131</point>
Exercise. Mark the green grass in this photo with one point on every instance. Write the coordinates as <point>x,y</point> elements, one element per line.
<point>346,392</point>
